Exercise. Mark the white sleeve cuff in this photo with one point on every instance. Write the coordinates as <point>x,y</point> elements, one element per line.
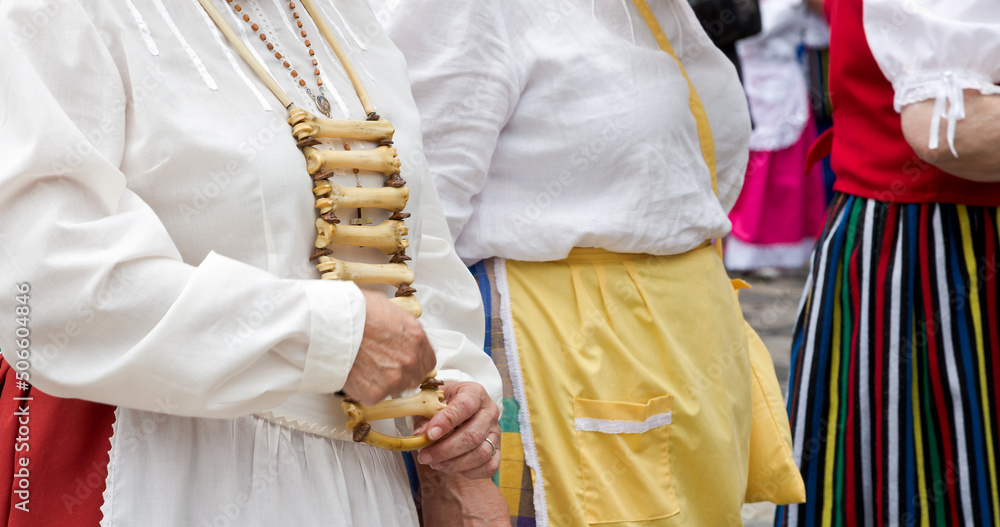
<point>919,86</point>
<point>335,335</point>
<point>946,87</point>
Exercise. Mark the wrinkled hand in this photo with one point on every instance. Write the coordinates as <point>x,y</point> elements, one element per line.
<point>394,355</point>
<point>470,418</point>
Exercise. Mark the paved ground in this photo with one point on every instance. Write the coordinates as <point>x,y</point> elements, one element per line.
<point>770,307</point>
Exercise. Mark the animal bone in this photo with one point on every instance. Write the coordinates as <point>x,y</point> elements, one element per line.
<point>426,403</point>
<point>362,273</point>
<point>409,303</point>
<point>386,236</point>
<point>335,197</point>
<point>305,124</point>
<point>365,434</point>
<point>382,159</point>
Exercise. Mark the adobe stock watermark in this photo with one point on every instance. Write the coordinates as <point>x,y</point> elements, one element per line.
<point>21,486</point>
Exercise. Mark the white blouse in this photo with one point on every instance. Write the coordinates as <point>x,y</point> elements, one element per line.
<point>773,76</point>
<point>934,49</point>
<point>553,125</point>
<point>153,197</point>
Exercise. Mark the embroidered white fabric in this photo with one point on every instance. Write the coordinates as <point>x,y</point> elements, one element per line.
<point>608,426</point>
<point>191,53</point>
<point>143,28</point>
<point>234,61</point>
<point>934,49</point>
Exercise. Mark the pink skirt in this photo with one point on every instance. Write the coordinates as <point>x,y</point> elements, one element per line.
<point>780,211</point>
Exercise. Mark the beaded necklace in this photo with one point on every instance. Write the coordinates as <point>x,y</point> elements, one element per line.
<point>272,46</point>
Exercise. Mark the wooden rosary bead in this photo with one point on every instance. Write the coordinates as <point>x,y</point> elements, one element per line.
<point>321,102</point>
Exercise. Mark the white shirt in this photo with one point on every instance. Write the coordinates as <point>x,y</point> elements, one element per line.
<point>935,49</point>
<point>773,77</point>
<point>553,125</point>
<point>153,197</point>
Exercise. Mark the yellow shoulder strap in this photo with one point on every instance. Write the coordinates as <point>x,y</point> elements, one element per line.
<point>697,108</point>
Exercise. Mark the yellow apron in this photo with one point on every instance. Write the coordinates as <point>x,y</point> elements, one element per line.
<point>635,388</point>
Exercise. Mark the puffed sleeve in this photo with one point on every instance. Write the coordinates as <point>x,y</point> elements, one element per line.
<point>114,314</point>
<point>935,49</point>
<point>465,85</point>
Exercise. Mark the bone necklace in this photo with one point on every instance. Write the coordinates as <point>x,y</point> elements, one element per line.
<point>387,237</point>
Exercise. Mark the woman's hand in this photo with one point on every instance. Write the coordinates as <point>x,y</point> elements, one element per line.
<point>462,430</point>
<point>976,137</point>
<point>394,355</point>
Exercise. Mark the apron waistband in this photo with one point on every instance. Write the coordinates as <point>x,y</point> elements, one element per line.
<point>596,255</point>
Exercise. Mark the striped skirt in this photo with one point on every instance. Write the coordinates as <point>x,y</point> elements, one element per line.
<point>894,395</point>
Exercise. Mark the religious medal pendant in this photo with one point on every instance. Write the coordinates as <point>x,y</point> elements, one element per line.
<point>322,104</point>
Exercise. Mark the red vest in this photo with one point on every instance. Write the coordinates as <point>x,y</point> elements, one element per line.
<point>869,154</point>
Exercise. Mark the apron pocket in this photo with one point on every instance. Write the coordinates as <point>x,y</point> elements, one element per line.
<point>624,459</point>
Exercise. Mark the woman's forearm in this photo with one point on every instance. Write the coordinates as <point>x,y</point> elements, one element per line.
<point>452,499</point>
<point>977,137</point>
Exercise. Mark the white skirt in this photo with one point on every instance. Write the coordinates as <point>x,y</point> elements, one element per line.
<point>168,471</point>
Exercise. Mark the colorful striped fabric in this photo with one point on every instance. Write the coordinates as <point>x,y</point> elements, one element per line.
<point>894,395</point>
<point>514,478</point>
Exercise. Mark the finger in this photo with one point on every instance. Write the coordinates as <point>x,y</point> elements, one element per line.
<point>462,440</point>
<point>473,459</point>
<point>465,402</point>
<point>486,470</point>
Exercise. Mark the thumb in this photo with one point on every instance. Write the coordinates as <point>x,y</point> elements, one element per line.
<point>461,407</point>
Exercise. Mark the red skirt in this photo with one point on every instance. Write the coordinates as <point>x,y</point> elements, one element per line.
<point>56,460</point>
